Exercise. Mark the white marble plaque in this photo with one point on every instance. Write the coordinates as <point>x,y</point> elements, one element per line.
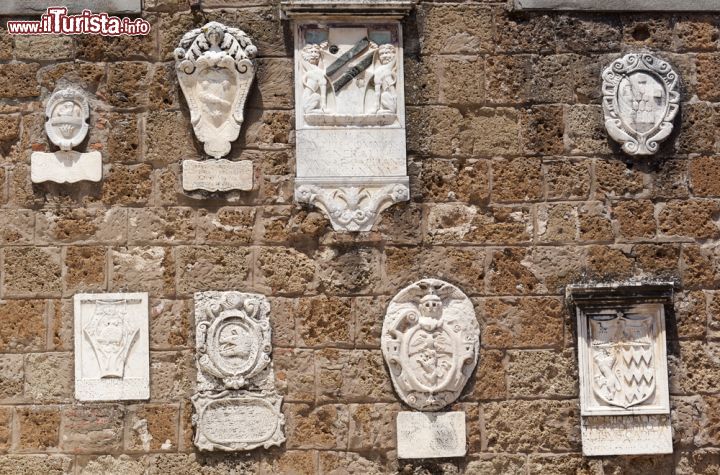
<point>237,420</point>
<point>350,110</point>
<point>236,405</point>
<point>217,175</point>
<point>624,396</point>
<point>641,97</point>
<point>65,166</point>
<point>215,67</point>
<point>431,342</point>
<point>626,435</point>
<point>111,347</point>
<point>431,434</point>
<point>67,113</point>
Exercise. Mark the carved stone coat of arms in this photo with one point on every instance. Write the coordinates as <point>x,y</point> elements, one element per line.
<point>215,69</point>
<point>430,340</point>
<point>641,97</point>
<point>236,405</point>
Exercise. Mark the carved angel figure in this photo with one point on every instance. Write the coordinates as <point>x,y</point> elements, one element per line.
<point>215,69</point>
<point>385,79</point>
<point>314,79</point>
<point>111,337</point>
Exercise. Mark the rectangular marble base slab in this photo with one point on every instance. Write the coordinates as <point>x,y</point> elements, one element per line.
<point>349,152</point>
<point>626,435</point>
<point>217,175</point>
<point>423,435</point>
<point>65,166</point>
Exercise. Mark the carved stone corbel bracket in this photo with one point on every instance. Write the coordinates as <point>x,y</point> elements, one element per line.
<point>352,204</point>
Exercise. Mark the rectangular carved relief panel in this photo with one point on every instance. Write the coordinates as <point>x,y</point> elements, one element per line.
<point>350,110</point>
<point>622,359</point>
<point>111,347</point>
<point>236,405</point>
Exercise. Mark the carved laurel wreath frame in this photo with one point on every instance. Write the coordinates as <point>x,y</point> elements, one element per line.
<point>215,46</point>
<point>405,325</point>
<point>76,96</point>
<point>213,310</point>
<point>632,141</point>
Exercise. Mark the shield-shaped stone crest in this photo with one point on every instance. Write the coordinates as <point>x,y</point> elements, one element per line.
<point>215,69</point>
<point>622,359</point>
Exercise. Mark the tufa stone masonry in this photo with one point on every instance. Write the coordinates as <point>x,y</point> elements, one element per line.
<point>517,190</point>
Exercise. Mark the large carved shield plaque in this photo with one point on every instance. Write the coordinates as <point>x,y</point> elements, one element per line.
<point>622,359</point>
<point>215,69</point>
<point>430,340</point>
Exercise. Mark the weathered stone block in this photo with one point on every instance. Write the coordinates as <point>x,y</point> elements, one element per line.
<point>324,427</point>
<point>24,325</point>
<point>39,428</point>
<point>151,427</point>
<point>19,80</point>
<point>449,29</point>
<point>542,373</point>
<point>286,271</point>
<point>324,321</point>
<point>516,426</point>
<point>150,269</point>
<point>32,271</point>
<point>526,322</point>
<point>49,377</point>
<point>351,375</point>
<point>92,429</point>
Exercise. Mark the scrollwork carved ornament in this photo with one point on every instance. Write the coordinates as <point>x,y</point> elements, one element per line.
<point>641,97</point>
<point>430,341</point>
<point>215,69</point>
<point>233,339</point>
<point>237,420</point>
<point>352,208</point>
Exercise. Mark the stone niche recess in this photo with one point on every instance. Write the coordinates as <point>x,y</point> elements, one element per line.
<point>111,347</point>
<point>431,342</point>
<point>215,68</point>
<point>236,405</point>
<point>67,113</point>
<point>349,108</point>
<point>624,397</point>
<point>641,97</point>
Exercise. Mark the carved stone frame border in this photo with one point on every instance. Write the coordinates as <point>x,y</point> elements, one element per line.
<point>632,141</point>
<point>593,300</point>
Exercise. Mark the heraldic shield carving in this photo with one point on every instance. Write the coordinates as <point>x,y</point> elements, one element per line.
<point>621,348</point>
<point>623,366</point>
<point>640,99</point>
<point>215,69</point>
<point>233,340</point>
<point>430,341</point>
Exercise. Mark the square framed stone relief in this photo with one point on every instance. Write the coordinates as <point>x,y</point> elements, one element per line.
<point>111,347</point>
<point>623,361</point>
<point>622,358</point>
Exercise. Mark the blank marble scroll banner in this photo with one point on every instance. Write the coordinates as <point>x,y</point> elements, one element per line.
<point>112,356</point>
<point>349,108</point>
<point>236,405</point>
<point>431,342</point>
<point>67,113</point>
<point>641,97</point>
<point>622,358</point>
<point>215,67</point>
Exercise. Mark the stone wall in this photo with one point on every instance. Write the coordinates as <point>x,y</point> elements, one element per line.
<point>516,192</point>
